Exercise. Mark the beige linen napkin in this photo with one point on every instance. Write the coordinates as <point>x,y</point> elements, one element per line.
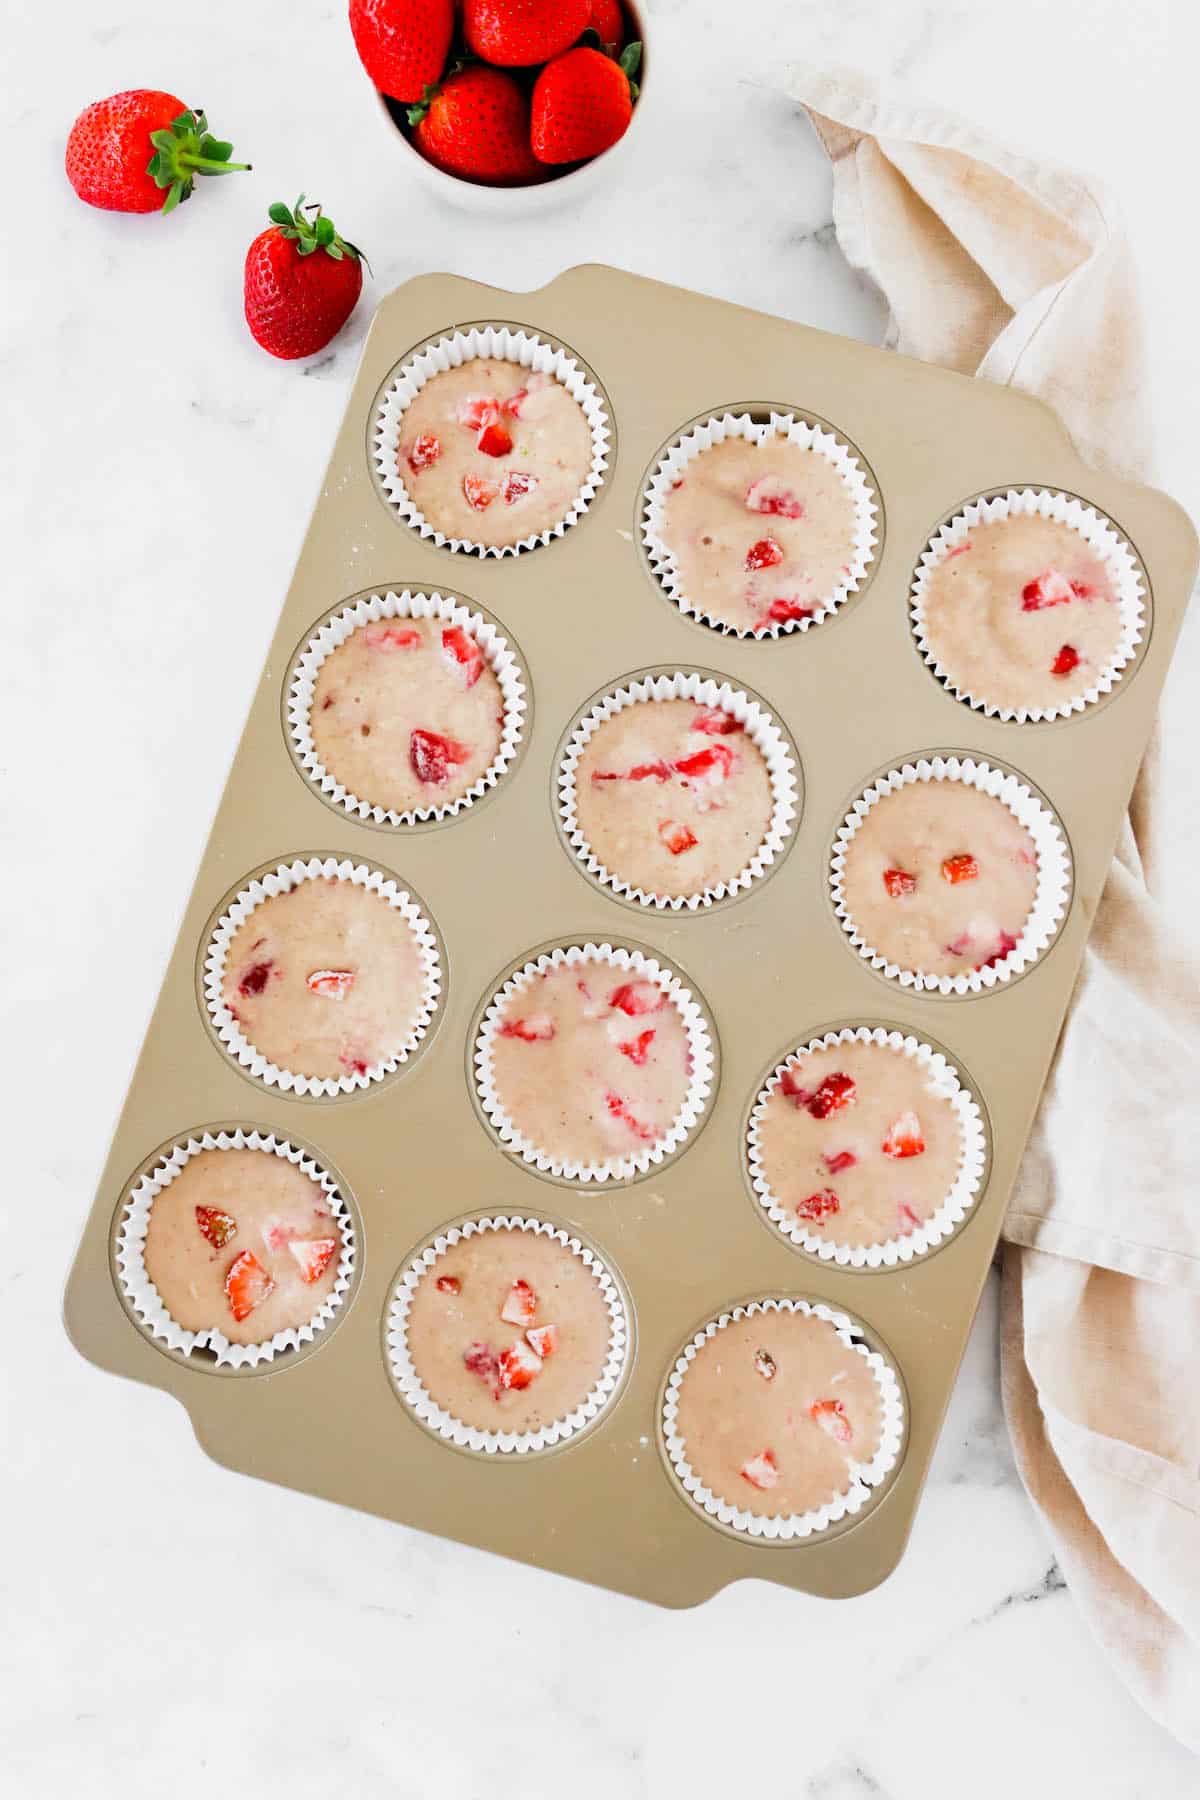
<point>998,267</point>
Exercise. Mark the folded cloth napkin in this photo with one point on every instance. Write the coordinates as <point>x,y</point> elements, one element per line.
<point>998,267</point>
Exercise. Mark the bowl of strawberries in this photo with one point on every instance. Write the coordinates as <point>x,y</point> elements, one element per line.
<point>507,106</point>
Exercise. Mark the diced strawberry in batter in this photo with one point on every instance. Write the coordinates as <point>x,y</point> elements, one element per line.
<point>449,1284</point>
<point>619,1109</point>
<point>1066,660</point>
<point>351,1060</point>
<point>479,493</point>
<point>764,554</point>
<point>765,1365</point>
<point>494,440</point>
<point>714,721</point>
<point>651,771</point>
<point>517,1366</point>
<point>477,412</point>
<point>1050,588</point>
<point>518,485</point>
<point>217,1226</point>
<point>898,882</point>
<point>637,997</point>
<point>463,652</point>
<point>331,984</point>
<point>783,610</point>
<point>821,1205</point>
<point>480,1359</point>
<point>520,1305</point>
<point>904,1137</point>
<point>391,637</point>
<point>247,1285</point>
<point>639,1049</point>
<point>431,755</point>
<point>314,1256</point>
<point>959,550</point>
<point>1007,944</point>
<point>761,1471</point>
<point>906,1218</point>
<point>543,1340</point>
<point>423,452</point>
<point>512,406</point>
<point>960,868</point>
<point>255,979</point>
<point>770,494</point>
<point>676,837</point>
<point>830,1415</point>
<point>715,761</point>
<point>792,1090</point>
<point>834,1092</point>
<point>845,1159</point>
<point>960,945</point>
<point>537,1028</point>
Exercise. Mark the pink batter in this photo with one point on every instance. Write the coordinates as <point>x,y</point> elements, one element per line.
<point>673,797</point>
<point>858,1145</point>
<point>772,1411</point>
<point>940,878</point>
<point>243,1242</point>
<point>494,453</point>
<point>590,1062</point>
<point>325,980</point>
<point>1022,614</point>
<point>407,713</point>
<point>760,535</point>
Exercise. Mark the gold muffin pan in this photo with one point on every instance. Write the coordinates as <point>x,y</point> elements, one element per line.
<point>772,966</point>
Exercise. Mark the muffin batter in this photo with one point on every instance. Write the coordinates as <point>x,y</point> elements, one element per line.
<point>590,1063</point>
<point>940,878</point>
<point>857,1144</point>
<point>773,1410</point>
<point>1023,613</point>
<point>760,535</point>
<point>493,452</point>
<point>672,797</point>
<point>509,1331</point>
<point>242,1242</point>
<point>325,980</point>
<point>407,713</point>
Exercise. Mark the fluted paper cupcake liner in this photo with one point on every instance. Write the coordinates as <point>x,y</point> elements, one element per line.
<point>887,1253</point>
<point>796,430</point>
<point>282,880</point>
<point>1052,894</point>
<point>469,1437</point>
<point>865,1478</point>
<point>144,1297</point>
<point>335,631</point>
<point>700,1080</point>
<point>759,727</point>
<point>1100,535</point>
<point>498,343</point>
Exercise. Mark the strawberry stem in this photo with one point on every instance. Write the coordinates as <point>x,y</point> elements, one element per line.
<point>309,229</point>
<point>184,149</point>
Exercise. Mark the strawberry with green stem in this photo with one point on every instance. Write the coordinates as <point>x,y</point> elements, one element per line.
<point>475,124</point>
<point>583,102</point>
<point>140,151</point>
<point>302,281</point>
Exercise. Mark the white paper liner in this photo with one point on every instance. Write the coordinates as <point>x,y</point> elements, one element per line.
<point>1100,535</point>
<point>614,1168</point>
<point>759,727</point>
<point>864,1477</point>
<point>469,1437</point>
<point>144,1297</point>
<point>796,430</point>
<point>499,343</point>
<point>941,1076</point>
<point>408,605</point>
<point>282,880</point>
<point>1051,896</point>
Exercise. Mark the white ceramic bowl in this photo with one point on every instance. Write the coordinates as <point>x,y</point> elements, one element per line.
<point>544,196</point>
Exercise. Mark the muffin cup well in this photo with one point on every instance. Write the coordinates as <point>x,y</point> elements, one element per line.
<point>762,731</point>
<point>435,1418</point>
<point>700,1082</point>
<point>499,343</point>
<point>142,1295</point>
<point>797,430</point>
<point>335,630</point>
<point>866,1478</point>
<point>963,1193</point>
<point>281,880</point>
<point>1100,535</point>
<point>1051,896</point>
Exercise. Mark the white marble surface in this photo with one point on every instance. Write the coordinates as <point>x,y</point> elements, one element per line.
<point>170,1627</point>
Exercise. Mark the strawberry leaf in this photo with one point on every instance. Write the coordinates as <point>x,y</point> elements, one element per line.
<point>183,150</point>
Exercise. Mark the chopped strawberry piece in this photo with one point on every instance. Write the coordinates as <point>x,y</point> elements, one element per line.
<point>834,1092</point>
<point>332,984</point>
<point>837,1165</point>
<point>462,651</point>
<point>830,1415</point>
<point>637,997</point>
<point>764,554</point>
<point>1066,660</point>
<point>477,412</point>
<point>449,1284</point>
<point>715,760</point>
<point>792,1090</point>
<point>1082,591</point>
<point>960,868</point>
<point>518,485</point>
<point>898,882</point>
<point>819,1206</point>
<point>904,1137</point>
<point>255,979</point>
<point>538,1028</point>
<point>677,838</point>
<point>543,1340</point>
<point>314,1256</point>
<point>761,1471</point>
<point>517,1366</point>
<point>769,494</point>
<point>480,1359</point>
<point>783,611</point>
<point>520,1304</point>
<point>351,1060</point>
<point>512,406</point>
<point>431,755</point>
<point>1007,944</point>
<point>657,771</point>
<point>494,440</point>
<point>247,1285</point>
<point>960,945</point>
<point>620,1110</point>
<point>479,493</point>
<point>906,1218</point>
<point>423,452</point>
<point>765,1365</point>
<point>217,1226</point>
<point>639,1049</point>
<point>1050,588</point>
<point>714,721</point>
<point>391,637</point>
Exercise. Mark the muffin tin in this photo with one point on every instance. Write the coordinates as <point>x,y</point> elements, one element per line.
<point>686,1239</point>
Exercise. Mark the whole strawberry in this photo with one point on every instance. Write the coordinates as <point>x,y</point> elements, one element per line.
<point>402,44</point>
<point>608,23</point>
<point>516,33</point>
<point>477,125</point>
<point>582,103</point>
<point>302,281</point>
<point>139,151</point>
